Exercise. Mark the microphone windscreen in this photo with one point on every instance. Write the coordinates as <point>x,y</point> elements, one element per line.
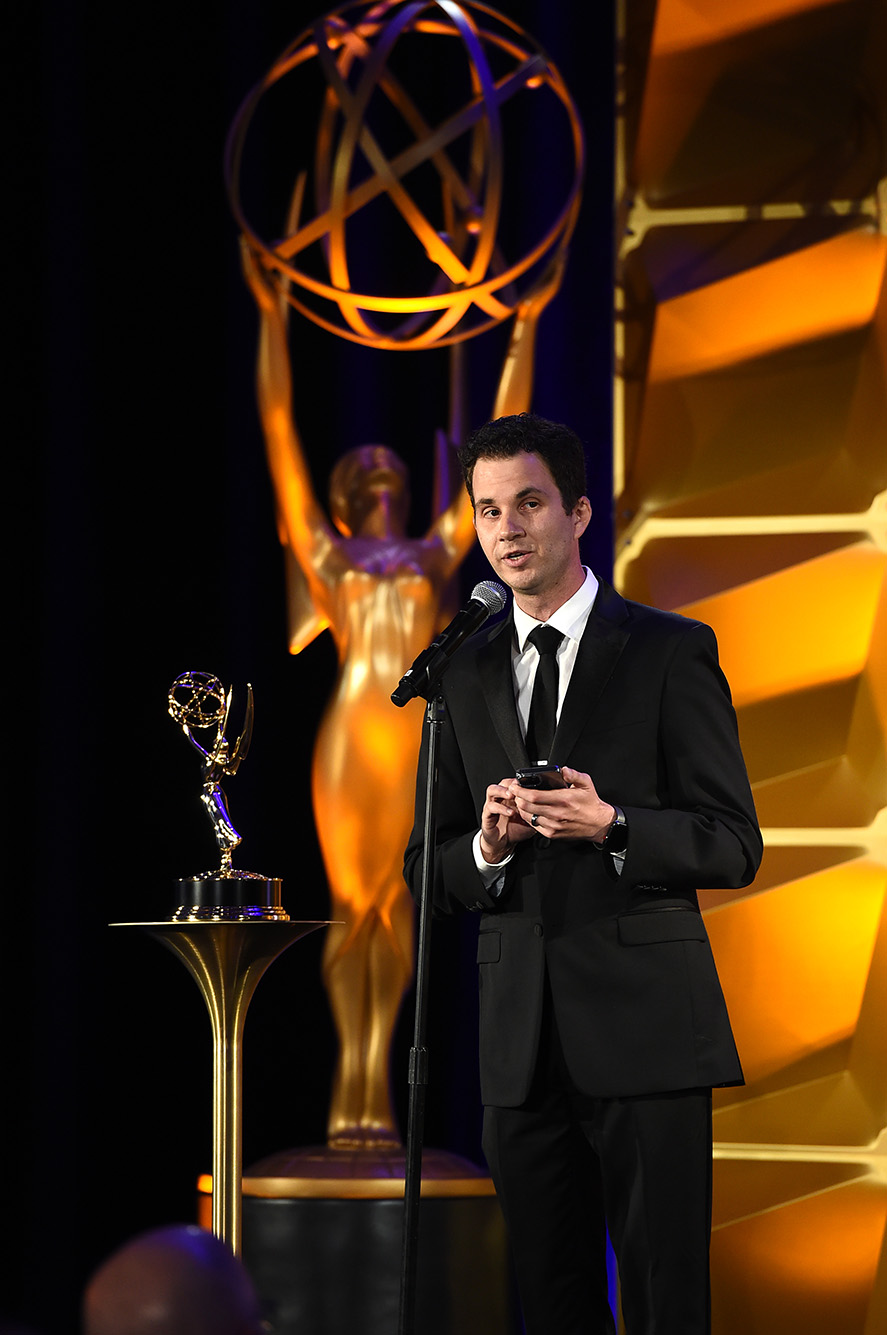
<point>491,594</point>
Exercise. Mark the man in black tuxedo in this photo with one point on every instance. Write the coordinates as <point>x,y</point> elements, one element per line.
<point>602,1022</point>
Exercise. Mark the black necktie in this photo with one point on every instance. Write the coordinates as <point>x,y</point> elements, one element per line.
<point>543,706</point>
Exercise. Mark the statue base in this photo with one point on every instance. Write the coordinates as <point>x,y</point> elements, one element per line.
<point>230,896</point>
<point>323,1235</point>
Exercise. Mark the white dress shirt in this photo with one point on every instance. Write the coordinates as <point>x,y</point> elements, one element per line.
<point>570,619</point>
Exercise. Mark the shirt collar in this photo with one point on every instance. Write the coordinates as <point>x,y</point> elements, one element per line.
<point>569,619</point>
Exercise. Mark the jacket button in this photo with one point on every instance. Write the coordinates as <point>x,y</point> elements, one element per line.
<point>537,929</point>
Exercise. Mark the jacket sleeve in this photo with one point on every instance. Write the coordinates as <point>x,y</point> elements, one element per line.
<point>704,831</point>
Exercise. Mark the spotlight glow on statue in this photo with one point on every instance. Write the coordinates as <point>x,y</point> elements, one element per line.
<point>437,187</point>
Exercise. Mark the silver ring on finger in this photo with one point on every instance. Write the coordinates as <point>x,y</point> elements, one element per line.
<point>534,820</point>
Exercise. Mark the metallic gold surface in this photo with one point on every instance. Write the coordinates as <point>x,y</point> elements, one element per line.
<point>226,960</point>
<point>198,702</point>
<point>322,1172</point>
<point>380,594</point>
<point>439,183</point>
<point>751,481</point>
<point>268,912</point>
<point>362,1188</point>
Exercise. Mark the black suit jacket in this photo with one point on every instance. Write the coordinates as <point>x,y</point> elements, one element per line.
<point>635,992</point>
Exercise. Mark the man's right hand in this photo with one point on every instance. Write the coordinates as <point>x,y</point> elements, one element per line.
<point>501,825</point>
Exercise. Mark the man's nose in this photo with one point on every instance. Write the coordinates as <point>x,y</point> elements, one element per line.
<point>509,524</point>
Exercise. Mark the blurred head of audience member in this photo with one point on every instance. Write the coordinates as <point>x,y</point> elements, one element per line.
<point>179,1280</point>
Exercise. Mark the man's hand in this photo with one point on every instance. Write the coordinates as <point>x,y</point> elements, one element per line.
<point>575,812</point>
<point>501,824</point>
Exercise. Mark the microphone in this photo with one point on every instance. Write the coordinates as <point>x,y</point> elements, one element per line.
<point>486,599</point>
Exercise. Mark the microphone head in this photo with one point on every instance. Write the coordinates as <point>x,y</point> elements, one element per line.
<point>491,594</point>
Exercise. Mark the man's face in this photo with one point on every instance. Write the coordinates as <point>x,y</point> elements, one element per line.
<point>526,535</point>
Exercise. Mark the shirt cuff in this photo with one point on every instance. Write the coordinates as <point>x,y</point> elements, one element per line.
<point>491,873</point>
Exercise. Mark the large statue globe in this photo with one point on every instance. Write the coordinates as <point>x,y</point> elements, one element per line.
<point>447,157</point>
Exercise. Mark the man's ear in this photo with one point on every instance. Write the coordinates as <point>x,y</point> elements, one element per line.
<point>581,515</point>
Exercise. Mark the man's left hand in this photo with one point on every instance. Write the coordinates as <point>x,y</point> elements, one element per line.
<point>575,812</point>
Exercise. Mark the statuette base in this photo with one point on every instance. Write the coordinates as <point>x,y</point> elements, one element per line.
<point>238,896</point>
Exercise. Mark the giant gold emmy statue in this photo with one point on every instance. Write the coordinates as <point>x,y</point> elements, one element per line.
<point>357,572</point>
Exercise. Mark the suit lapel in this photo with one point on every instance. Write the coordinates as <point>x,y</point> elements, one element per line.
<point>494,670</point>
<point>604,639</point>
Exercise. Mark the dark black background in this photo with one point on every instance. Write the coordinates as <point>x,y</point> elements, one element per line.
<point>143,543</point>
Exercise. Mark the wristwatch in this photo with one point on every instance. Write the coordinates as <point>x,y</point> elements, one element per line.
<point>616,838</point>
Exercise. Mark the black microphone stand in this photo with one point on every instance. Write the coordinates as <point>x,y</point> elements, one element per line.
<point>423,679</point>
<point>418,1070</point>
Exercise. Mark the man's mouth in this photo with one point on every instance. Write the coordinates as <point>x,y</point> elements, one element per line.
<point>515,559</point>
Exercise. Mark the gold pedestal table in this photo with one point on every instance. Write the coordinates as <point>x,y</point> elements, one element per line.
<point>226,960</point>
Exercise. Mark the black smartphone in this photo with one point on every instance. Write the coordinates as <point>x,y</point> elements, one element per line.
<point>541,776</point>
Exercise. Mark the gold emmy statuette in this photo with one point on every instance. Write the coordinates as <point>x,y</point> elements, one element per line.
<point>230,928</point>
<point>441,181</point>
<point>199,703</point>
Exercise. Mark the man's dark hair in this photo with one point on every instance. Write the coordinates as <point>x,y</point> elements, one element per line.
<point>559,448</point>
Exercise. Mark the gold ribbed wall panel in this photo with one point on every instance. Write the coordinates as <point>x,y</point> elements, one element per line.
<point>751,491</point>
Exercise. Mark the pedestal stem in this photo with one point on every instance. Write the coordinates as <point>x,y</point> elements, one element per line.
<point>226,960</point>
